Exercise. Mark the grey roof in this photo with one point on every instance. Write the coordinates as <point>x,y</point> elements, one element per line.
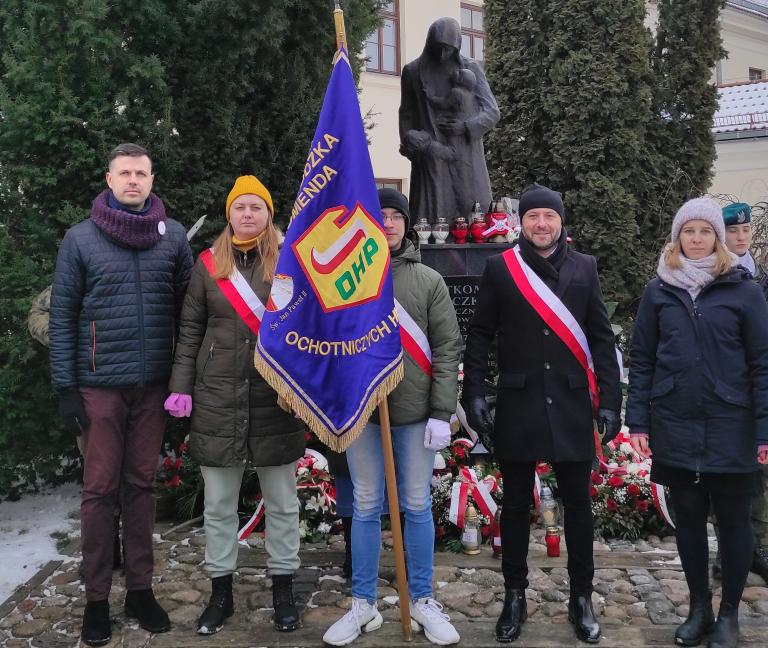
<point>742,107</point>
<point>759,7</point>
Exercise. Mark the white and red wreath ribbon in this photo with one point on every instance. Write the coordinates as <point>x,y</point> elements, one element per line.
<point>414,340</point>
<point>311,459</point>
<point>238,293</point>
<point>462,416</point>
<point>249,526</point>
<point>660,502</point>
<point>468,486</point>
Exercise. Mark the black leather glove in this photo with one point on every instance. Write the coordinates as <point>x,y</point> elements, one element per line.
<point>480,419</point>
<point>608,424</point>
<point>71,409</point>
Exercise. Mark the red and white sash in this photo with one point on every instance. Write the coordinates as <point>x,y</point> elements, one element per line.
<point>555,314</point>
<point>238,293</point>
<point>414,340</point>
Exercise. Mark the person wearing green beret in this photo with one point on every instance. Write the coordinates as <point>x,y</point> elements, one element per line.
<point>738,239</point>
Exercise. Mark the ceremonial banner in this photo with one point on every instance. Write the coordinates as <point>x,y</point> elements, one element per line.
<point>329,341</point>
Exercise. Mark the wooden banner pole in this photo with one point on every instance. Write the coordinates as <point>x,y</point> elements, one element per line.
<point>394,517</point>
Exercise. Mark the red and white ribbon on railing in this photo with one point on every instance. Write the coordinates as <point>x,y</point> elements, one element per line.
<point>468,486</point>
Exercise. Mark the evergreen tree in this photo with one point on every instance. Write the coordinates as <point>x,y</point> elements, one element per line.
<point>575,112</point>
<point>247,90</point>
<point>516,53</point>
<point>681,149</point>
<point>213,88</point>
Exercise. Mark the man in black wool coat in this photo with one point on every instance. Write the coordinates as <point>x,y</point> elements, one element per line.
<point>558,372</point>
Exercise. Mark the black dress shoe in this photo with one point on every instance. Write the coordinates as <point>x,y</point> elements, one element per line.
<point>142,605</point>
<point>726,632</point>
<point>97,627</point>
<point>700,621</point>
<point>582,615</point>
<point>514,613</point>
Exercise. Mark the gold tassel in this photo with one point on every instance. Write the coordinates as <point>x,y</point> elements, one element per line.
<point>300,409</point>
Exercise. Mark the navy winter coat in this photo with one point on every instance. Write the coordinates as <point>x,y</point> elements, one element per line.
<point>698,381</point>
<point>114,308</point>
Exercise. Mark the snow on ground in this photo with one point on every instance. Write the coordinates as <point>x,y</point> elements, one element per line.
<point>25,533</point>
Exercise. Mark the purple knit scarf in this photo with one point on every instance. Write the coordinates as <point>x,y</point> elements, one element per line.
<point>136,231</point>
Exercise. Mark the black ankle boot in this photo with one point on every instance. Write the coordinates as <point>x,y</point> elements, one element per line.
<point>760,562</point>
<point>726,633</point>
<point>142,606</point>
<point>700,621</point>
<point>513,614</point>
<point>582,615</point>
<point>286,615</point>
<point>220,606</point>
<point>97,627</point>
<point>346,525</point>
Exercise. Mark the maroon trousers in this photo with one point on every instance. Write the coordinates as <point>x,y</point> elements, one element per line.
<point>120,451</point>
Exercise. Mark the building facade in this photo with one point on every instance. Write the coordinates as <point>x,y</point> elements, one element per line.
<point>741,166</point>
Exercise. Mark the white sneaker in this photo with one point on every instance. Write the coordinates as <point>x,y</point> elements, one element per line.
<point>428,613</point>
<point>362,617</point>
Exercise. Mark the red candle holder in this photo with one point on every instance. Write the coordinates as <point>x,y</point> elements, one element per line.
<point>552,540</point>
<point>460,230</point>
<point>476,230</point>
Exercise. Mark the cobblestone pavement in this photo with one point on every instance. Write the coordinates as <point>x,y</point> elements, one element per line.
<point>640,595</point>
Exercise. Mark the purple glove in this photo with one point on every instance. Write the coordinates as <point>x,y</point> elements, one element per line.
<point>178,405</point>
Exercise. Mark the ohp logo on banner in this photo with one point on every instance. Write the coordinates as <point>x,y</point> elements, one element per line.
<point>344,256</point>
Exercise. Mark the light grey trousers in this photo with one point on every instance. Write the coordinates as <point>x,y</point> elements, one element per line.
<point>278,488</point>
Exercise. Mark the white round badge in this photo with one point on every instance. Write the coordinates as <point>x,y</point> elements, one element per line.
<point>161,227</point>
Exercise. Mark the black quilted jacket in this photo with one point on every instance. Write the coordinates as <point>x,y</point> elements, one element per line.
<point>114,309</point>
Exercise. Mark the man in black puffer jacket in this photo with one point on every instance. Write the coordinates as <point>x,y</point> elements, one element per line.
<point>118,288</point>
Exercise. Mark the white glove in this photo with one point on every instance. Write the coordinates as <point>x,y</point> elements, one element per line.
<point>437,434</point>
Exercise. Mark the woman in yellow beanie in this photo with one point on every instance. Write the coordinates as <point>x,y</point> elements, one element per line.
<point>236,420</point>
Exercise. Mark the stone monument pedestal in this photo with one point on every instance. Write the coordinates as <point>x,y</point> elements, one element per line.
<point>461,265</point>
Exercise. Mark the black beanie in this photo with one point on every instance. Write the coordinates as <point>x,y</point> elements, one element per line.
<point>540,197</point>
<point>389,197</point>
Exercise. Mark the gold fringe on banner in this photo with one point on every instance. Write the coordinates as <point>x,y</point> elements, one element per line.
<point>318,426</point>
